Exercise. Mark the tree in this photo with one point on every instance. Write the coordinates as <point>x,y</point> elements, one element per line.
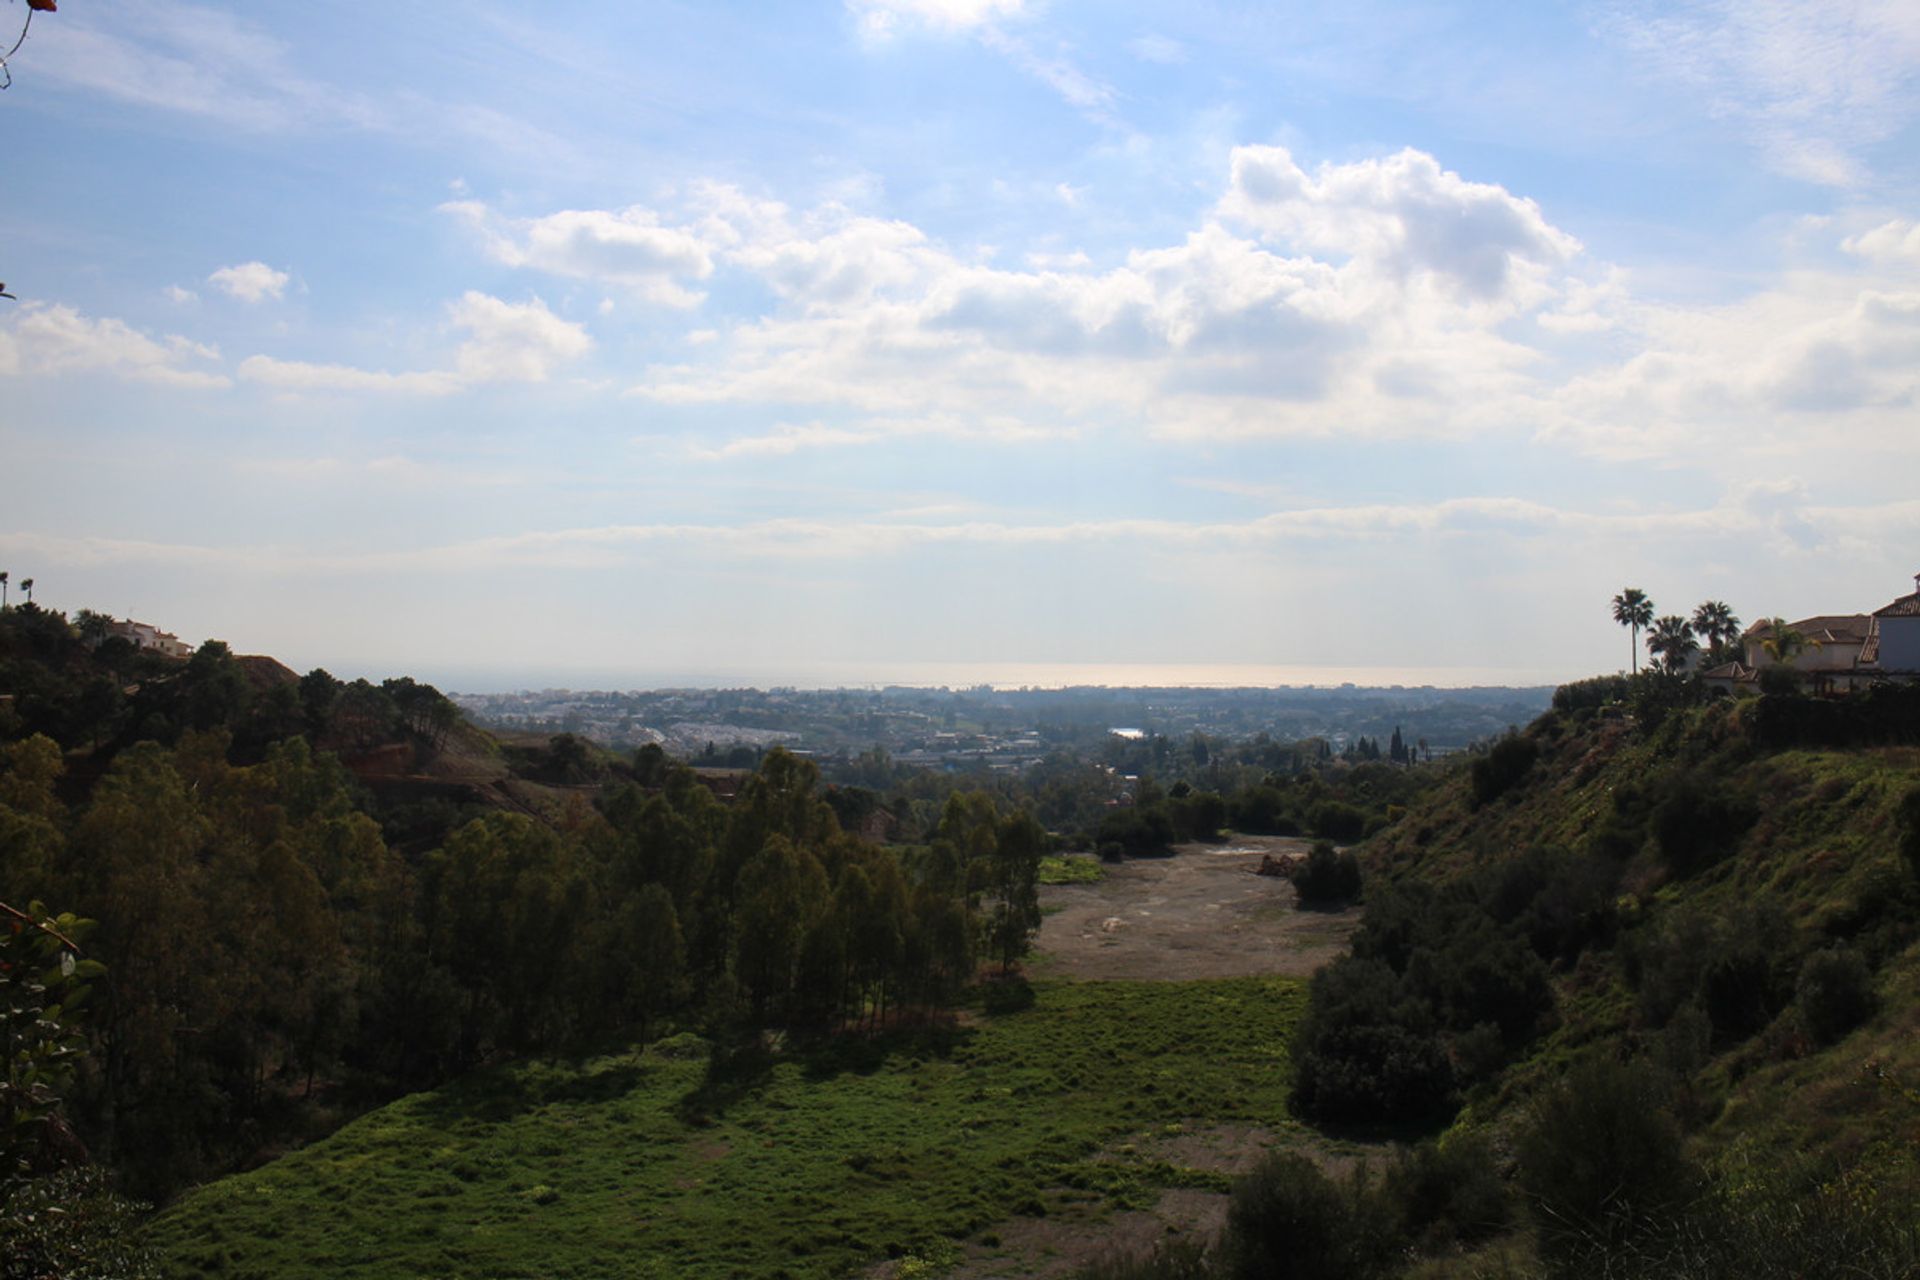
<point>92,627</point>
<point>3,588</point>
<point>1671,640</point>
<point>1717,625</point>
<point>26,585</point>
<point>1782,643</point>
<point>1632,609</point>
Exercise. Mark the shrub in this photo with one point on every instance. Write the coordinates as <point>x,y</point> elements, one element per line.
<point>1834,993</point>
<point>1448,1192</point>
<point>1502,768</point>
<point>1286,1218</point>
<point>1909,815</point>
<point>1367,1051</point>
<point>1601,1166</point>
<point>1698,824</point>
<point>1597,692</point>
<point>1327,877</point>
<point>1333,820</point>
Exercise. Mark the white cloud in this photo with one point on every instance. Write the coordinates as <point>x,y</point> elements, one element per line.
<point>1404,215</point>
<point>628,247</point>
<point>182,296</point>
<point>1897,241</point>
<point>1397,329</point>
<point>513,342</point>
<point>195,61</point>
<point>249,281</point>
<point>506,342</point>
<point>53,339</point>
<point>300,375</point>
<point>1814,82</point>
<point>880,19</point>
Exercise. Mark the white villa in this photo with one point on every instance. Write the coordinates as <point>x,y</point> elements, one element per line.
<point>144,635</point>
<point>1842,651</point>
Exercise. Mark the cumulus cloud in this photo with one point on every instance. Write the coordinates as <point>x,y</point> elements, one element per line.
<point>505,342</point>
<point>1897,241</point>
<point>513,342</point>
<point>54,339</point>
<point>627,247</point>
<point>1402,214</point>
<point>249,281</point>
<point>1365,299</point>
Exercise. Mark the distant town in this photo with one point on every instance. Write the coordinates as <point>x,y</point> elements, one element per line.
<point>1001,729</point>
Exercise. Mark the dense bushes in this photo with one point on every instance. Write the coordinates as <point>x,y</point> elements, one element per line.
<point>1327,878</point>
<point>1834,993</point>
<point>1502,768</point>
<point>1441,987</point>
<point>1881,715</point>
<point>1698,823</point>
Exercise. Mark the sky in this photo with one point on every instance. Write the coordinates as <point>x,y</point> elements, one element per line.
<point>842,341</point>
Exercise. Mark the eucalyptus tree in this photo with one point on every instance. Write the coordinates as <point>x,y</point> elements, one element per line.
<point>1632,609</point>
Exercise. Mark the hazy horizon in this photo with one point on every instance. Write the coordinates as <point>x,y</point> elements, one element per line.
<point>1000,676</point>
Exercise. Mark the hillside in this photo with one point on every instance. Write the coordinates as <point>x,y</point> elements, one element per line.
<point>1712,895</point>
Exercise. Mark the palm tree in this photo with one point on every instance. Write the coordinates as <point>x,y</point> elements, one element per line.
<point>1671,640</point>
<point>26,585</point>
<point>1783,644</point>
<point>3,588</point>
<point>1716,623</point>
<point>1632,609</point>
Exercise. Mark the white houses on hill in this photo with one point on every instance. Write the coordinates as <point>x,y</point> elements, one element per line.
<point>143,635</point>
<point>1839,651</point>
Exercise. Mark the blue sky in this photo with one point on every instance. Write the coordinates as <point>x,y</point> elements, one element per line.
<point>620,343</point>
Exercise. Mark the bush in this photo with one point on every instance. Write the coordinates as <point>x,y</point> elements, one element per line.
<point>1327,877</point>
<point>1597,692</point>
<point>1502,768</point>
<point>1367,1052</point>
<point>1286,1218</point>
<point>1909,815</point>
<point>1698,824</point>
<point>1834,993</point>
<point>1601,1166</point>
<point>1333,820</point>
<point>1451,1192</point>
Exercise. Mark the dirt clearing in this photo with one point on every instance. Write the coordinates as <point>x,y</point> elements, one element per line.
<point>1201,913</point>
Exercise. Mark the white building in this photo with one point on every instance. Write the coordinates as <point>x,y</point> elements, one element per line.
<point>144,635</point>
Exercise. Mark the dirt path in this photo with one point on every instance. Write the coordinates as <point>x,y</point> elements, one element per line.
<point>1201,913</point>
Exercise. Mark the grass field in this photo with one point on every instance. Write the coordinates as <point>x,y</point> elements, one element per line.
<point>799,1164</point>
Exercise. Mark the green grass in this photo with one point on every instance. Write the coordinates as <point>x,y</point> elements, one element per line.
<point>812,1165</point>
<point>1070,869</point>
